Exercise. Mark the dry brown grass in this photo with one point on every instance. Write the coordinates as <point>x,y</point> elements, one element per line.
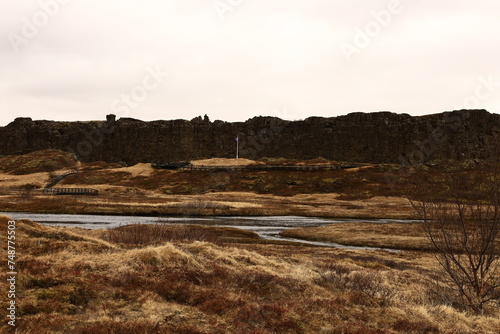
<point>36,180</point>
<point>37,162</point>
<point>355,184</point>
<point>113,200</point>
<point>391,235</point>
<point>71,281</point>
<point>140,235</point>
<point>136,170</point>
<point>359,192</point>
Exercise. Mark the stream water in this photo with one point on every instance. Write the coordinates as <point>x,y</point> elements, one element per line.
<point>267,227</point>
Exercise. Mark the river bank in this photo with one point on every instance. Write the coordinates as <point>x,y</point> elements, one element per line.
<point>212,204</point>
<point>267,228</point>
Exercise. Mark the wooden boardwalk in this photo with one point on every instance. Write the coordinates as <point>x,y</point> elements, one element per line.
<point>58,178</point>
<point>71,191</point>
<point>52,191</point>
<point>271,167</point>
<point>48,189</point>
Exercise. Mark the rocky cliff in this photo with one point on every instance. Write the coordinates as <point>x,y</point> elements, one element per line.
<point>381,137</point>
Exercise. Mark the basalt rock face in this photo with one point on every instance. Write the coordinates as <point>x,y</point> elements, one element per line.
<point>381,137</point>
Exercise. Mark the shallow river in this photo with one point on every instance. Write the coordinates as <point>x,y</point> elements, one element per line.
<point>268,227</point>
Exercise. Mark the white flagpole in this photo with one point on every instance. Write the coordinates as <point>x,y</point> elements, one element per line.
<point>237,147</point>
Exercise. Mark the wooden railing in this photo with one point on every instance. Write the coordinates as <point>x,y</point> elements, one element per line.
<point>71,191</point>
<point>271,167</point>
<point>58,178</point>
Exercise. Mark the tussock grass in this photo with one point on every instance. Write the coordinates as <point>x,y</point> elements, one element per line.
<point>143,234</point>
<point>128,201</point>
<point>392,235</point>
<point>87,284</point>
<point>401,236</point>
<point>200,208</point>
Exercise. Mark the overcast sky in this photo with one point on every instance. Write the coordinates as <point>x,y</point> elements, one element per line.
<point>236,59</point>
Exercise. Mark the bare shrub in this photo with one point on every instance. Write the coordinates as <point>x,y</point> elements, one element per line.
<point>200,207</point>
<point>25,194</point>
<point>219,304</point>
<point>464,230</point>
<point>437,292</point>
<point>407,326</point>
<point>336,277</point>
<point>154,234</point>
<point>371,284</point>
<point>119,327</point>
<point>367,282</point>
<point>275,318</point>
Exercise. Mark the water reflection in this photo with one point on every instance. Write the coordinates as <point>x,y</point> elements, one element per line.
<point>267,227</point>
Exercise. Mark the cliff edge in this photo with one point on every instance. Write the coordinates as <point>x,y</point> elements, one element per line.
<point>381,137</point>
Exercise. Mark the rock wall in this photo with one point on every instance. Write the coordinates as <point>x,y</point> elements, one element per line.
<point>381,137</point>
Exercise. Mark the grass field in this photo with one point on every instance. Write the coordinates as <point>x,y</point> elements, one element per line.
<point>372,191</point>
<point>407,236</point>
<point>222,203</point>
<point>204,280</point>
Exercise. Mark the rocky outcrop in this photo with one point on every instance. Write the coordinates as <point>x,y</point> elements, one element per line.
<point>381,137</point>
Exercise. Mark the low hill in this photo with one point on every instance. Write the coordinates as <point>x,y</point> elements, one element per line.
<point>38,162</point>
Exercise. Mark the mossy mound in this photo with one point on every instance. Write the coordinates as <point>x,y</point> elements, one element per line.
<point>37,162</point>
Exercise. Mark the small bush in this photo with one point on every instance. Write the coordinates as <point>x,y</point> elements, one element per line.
<point>200,207</point>
<point>273,317</point>
<point>367,282</point>
<point>407,326</point>
<point>31,282</point>
<point>372,285</point>
<point>122,327</point>
<point>25,194</point>
<point>144,234</point>
<point>81,296</point>
<point>180,292</point>
<point>220,305</point>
